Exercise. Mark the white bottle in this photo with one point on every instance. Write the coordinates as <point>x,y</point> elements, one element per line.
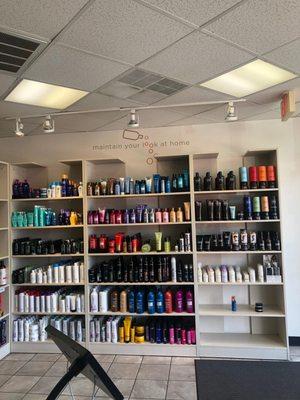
<point>218,275</point>
<point>55,274</point>
<point>54,302</point>
<point>49,274</point>
<point>80,189</point>
<point>57,190</point>
<point>92,331</point>
<point>251,272</point>
<point>173,270</point>
<point>238,275</point>
<point>81,273</point>
<point>108,329</point>
<point>21,330</point>
<point>65,326</point>
<point>103,301</point>
<point>39,276</point>
<point>43,304</point>
<point>72,330</point>
<point>42,331</point>
<point>26,331</point>
<point>246,277</point>
<point>69,273</point>
<point>224,274</point>
<point>78,303</point>
<point>114,329</point>
<point>48,303</point>
<point>49,193</point>
<point>79,330</point>
<point>63,304</point>
<point>38,304</point>
<point>94,300</point>
<point>45,278</point>
<point>231,274</point>
<point>204,275</point>
<point>97,330</point>
<point>26,302</point>
<point>16,331</point>
<point>73,302</point>
<point>260,273</point>
<point>33,276</point>
<point>61,274</point>
<point>199,272</point>
<point>211,274</point>
<point>75,271</point>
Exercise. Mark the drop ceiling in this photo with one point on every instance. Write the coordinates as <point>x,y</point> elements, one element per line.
<point>142,52</point>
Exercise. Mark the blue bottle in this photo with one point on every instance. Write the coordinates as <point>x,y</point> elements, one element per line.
<point>158,333</point>
<point>131,301</point>
<point>151,302</point>
<point>53,218</point>
<point>137,187</point>
<point>117,188</point>
<point>168,185</point>
<point>186,184</point>
<point>233,304</point>
<point>140,302</point>
<point>127,185</point>
<point>159,302</point>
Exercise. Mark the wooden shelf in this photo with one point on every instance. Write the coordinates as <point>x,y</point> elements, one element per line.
<point>139,253</point>
<point>237,191</point>
<point>239,252</point>
<point>139,224</point>
<point>224,310</point>
<point>240,340</point>
<point>48,199</point>
<point>128,196</point>
<point>49,255</point>
<point>48,313</point>
<point>246,221</point>
<point>48,284</point>
<point>173,314</point>
<point>143,284</point>
<point>240,284</point>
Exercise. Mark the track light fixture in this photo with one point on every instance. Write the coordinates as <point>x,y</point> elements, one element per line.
<point>134,120</point>
<point>230,112</point>
<point>48,125</point>
<point>19,128</point>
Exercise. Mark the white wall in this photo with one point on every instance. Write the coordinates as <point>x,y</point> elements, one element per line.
<point>229,140</point>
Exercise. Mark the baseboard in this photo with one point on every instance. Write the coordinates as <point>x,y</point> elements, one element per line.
<point>294,341</point>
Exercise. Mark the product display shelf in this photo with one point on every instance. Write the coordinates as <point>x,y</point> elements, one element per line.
<point>244,333</point>
<point>39,176</point>
<point>140,253</point>
<point>143,284</point>
<point>143,196</point>
<point>5,254</point>
<point>137,225</point>
<point>173,314</point>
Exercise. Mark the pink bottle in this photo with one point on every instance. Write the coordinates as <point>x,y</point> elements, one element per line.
<point>179,301</point>
<point>183,336</point>
<point>189,336</point>
<point>193,335</point>
<point>158,216</point>
<point>171,334</point>
<point>165,216</point>
<point>90,218</point>
<point>189,301</point>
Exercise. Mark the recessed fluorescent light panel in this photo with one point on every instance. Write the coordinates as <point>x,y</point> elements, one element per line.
<point>250,78</point>
<point>44,94</point>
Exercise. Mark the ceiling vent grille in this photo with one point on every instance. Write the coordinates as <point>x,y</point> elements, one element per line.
<point>15,51</point>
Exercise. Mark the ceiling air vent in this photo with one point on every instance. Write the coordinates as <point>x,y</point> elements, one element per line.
<point>15,51</point>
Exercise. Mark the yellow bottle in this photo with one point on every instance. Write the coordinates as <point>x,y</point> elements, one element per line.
<point>172,215</point>
<point>179,215</point>
<point>73,218</point>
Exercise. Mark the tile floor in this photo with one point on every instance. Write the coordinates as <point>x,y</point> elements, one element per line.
<point>32,376</point>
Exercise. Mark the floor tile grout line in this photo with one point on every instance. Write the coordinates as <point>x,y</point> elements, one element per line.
<point>168,380</point>
<point>129,397</point>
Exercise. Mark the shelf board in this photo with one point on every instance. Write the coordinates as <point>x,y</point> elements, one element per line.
<point>128,196</point>
<point>48,255</point>
<point>4,229</point>
<point>240,284</point>
<point>49,199</point>
<point>28,165</point>
<point>239,252</point>
<point>4,200</point>
<point>243,310</point>
<point>3,257</point>
<point>106,161</point>
<point>173,314</point>
<point>142,284</point>
<point>138,224</point>
<point>240,340</point>
<point>48,284</point>
<point>48,313</point>
<point>4,316</point>
<point>139,253</point>
<point>71,163</point>
<point>245,221</point>
<point>47,227</point>
<point>236,191</point>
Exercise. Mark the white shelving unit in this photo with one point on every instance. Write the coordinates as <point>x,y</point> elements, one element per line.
<point>5,252</point>
<point>220,332</point>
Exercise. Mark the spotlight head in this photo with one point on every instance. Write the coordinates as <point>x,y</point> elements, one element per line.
<point>19,128</point>
<point>230,113</point>
<point>134,120</point>
<point>48,125</point>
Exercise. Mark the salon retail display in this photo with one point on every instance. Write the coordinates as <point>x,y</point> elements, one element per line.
<point>254,177</point>
<point>27,246</point>
<point>239,241</point>
<point>43,300</point>
<point>140,214</point>
<point>141,301</point>
<point>42,216</point>
<point>128,185</point>
<point>151,330</point>
<point>261,273</point>
<point>3,273</point>
<point>142,269</point>
<point>3,332</point>
<point>121,243</point>
<point>253,208</point>
<point>32,329</point>
<point>62,272</point>
<point>63,188</point>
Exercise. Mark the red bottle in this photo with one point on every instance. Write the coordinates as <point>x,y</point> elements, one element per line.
<point>93,244</point>
<point>102,243</point>
<point>253,178</point>
<point>168,302</point>
<point>111,246</point>
<point>112,217</point>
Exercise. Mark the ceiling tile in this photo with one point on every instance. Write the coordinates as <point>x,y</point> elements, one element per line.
<point>196,58</point>
<point>7,128</point>
<point>43,19</point>
<point>196,12</point>
<point>123,30</point>
<point>147,96</point>
<point>98,100</point>
<point>288,56</point>
<point>61,65</point>
<point>260,26</point>
<point>5,82</point>
<point>193,95</point>
<point>194,120</point>
<point>192,110</point>
<point>119,89</point>
<point>274,93</point>
<point>9,109</point>
<point>272,114</point>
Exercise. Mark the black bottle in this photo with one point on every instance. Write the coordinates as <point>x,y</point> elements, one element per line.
<point>99,273</point>
<point>198,210</point>
<point>165,270</point>
<point>125,272</point>
<point>273,207</point>
<point>185,277</point>
<point>191,273</point>
<point>130,270</point>
<point>219,181</point>
<point>159,270</point>
<point>226,238</point>
<point>174,187</point>
<point>151,270</point>
<point>206,242</point>
<point>110,271</point>
<point>140,269</point>
<point>135,271</point>
<point>207,183</point>
<point>225,210</point>
<point>275,241</point>
<point>165,336</point>
<point>15,247</point>
<point>179,272</point>
<point>197,182</point>
<point>152,332</point>
<point>268,242</point>
<point>199,242</point>
<point>230,181</point>
<point>146,270</point>
<point>217,210</point>
<point>119,277</point>
<point>260,241</point>
<point>253,241</point>
<point>214,243</point>
<point>209,210</point>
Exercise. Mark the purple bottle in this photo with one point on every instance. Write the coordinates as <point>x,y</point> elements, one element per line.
<point>179,301</point>
<point>95,217</point>
<point>189,301</point>
<point>90,217</point>
<point>126,216</point>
